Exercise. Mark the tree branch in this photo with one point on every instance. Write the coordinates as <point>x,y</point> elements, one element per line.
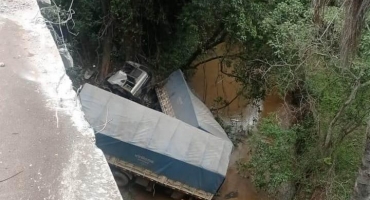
<point>349,100</point>
<point>227,104</point>
<point>348,130</point>
<point>213,58</point>
<point>227,74</point>
<point>218,37</point>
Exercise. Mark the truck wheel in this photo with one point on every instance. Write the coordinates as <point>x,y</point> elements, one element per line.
<point>121,178</point>
<point>177,195</point>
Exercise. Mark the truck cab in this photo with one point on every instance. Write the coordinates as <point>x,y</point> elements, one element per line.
<point>130,80</point>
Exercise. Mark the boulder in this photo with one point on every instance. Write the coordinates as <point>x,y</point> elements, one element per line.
<point>286,191</point>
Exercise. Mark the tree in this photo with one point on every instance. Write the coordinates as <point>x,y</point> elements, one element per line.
<point>306,65</point>
<point>355,20</point>
<point>107,34</point>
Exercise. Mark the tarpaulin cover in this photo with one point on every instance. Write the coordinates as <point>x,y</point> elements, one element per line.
<point>155,141</point>
<point>188,108</point>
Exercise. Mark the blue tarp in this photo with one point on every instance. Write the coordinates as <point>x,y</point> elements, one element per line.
<point>155,141</point>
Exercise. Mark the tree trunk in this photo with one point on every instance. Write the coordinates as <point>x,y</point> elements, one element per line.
<point>108,39</point>
<point>351,97</point>
<point>356,13</point>
<point>362,184</point>
<point>107,49</point>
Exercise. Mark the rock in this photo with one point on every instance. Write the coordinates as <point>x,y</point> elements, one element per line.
<point>44,3</point>
<point>286,191</point>
<point>231,195</point>
<point>2,64</point>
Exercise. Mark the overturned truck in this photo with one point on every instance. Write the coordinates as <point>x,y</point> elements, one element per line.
<point>156,148</point>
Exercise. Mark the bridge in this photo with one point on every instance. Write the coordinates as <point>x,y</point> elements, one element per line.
<point>47,148</point>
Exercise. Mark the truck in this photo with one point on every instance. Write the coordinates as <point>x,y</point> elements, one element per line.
<point>151,148</point>
<point>129,80</point>
<point>133,81</point>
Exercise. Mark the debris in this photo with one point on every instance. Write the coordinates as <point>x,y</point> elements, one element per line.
<point>2,64</point>
<point>88,74</point>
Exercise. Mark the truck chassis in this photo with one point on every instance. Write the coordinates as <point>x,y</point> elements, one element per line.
<point>162,180</point>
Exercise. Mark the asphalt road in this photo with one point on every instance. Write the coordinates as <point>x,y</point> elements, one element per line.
<point>42,156</point>
<point>30,142</point>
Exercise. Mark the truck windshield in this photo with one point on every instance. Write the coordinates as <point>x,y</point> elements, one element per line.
<point>136,73</point>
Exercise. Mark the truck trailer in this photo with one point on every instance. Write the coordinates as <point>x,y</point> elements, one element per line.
<point>148,145</point>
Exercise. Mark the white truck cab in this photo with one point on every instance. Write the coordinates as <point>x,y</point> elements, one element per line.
<point>131,78</point>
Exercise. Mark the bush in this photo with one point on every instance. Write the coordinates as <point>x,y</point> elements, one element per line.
<point>273,159</point>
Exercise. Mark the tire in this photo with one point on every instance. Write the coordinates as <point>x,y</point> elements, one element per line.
<point>121,178</point>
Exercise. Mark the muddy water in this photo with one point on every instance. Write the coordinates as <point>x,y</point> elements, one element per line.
<point>272,103</point>
<point>209,83</point>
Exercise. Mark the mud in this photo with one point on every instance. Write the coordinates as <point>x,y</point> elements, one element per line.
<point>236,185</point>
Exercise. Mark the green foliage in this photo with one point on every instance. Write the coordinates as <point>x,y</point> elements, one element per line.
<point>306,60</point>
<point>288,32</point>
<point>79,29</point>
<point>205,24</point>
<point>282,35</point>
<point>347,159</point>
<point>272,163</point>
